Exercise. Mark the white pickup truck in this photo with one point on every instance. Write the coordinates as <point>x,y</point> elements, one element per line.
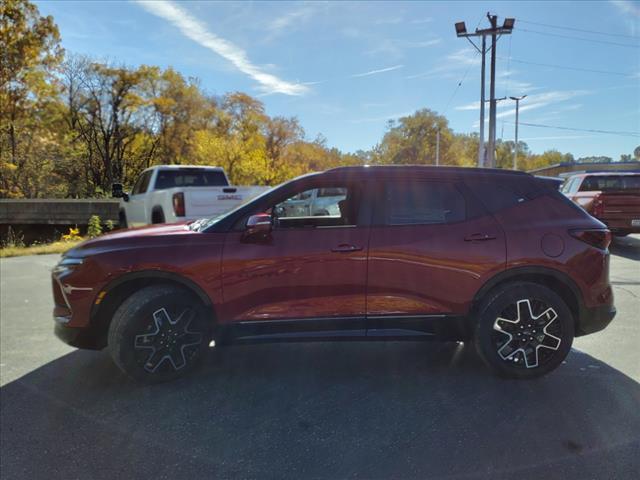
<point>175,193</point>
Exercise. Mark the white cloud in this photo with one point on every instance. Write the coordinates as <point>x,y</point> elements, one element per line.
<point>532,102</point>
<point>463,57</point>
<point>631,12</point>
<point>628,7</point>
<point>388,21</point>
<point>384,118</point>
<point>291,19</point>
<point>374,72</point>
<point>419,21</point>
<point>198,32</point>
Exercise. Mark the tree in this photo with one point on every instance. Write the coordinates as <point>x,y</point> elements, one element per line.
<point>30,53</point>
<point>412,140</point>
<point>636,153</point>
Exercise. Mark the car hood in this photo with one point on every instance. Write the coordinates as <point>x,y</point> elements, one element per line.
<point>150,236</point>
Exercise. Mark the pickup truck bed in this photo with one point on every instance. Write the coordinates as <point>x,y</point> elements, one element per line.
<point>613,198</point>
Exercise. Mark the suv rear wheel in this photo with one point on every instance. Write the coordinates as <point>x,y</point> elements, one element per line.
<point>524,330</point>
<point>159,333</point>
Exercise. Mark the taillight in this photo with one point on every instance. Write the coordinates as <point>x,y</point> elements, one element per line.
<point>178,204</point>
<point>597,206</point>
<point>599,238</point>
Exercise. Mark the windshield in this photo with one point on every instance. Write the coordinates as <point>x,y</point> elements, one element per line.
<point>202,224</point>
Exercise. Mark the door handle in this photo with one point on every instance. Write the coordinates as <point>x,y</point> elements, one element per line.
<point>344,247</point>
<point>479,237</point>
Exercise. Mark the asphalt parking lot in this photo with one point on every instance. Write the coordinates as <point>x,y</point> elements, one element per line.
<point>359,410</point>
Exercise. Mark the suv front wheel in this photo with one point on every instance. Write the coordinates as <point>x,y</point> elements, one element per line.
<point>159,333</point>
<point>524,330</point>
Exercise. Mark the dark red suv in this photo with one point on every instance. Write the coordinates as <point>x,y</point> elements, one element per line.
<point>375,253</point>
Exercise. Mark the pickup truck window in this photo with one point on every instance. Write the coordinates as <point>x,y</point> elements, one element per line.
<point>190,178</point>
<point>610,182</point>
<point>142,184</point>
<point>423,203</point>
<point>570,185</point>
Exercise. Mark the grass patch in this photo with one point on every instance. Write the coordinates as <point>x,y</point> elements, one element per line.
<point>44,249</point>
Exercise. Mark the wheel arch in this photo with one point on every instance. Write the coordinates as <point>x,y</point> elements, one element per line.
<point>124,286</point>
<point>157,211</point>
<point>558,281</point>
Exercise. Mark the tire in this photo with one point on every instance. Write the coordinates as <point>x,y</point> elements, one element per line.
<point>159,333</point>
<point>157,215</point>
<point>122,219</point>
<point>514,349</point>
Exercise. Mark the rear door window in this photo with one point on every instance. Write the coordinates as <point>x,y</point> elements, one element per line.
<point>423,203</point>
<point>190,177</point>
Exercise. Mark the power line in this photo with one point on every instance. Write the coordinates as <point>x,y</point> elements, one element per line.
<point>605,42</point>
<point>583,30</point>
<point>579,69</point>
<point>588,130</point>
<point>457,88</point>
<point>455,91</point>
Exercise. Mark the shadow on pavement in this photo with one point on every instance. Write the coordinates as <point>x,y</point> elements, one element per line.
<point>375,410</point>
<point>628,247</point>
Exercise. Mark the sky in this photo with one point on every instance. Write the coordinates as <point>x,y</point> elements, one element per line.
<point>346,68</point>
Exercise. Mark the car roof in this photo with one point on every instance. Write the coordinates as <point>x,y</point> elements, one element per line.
<point>604,174</point>
<point>430,171</point>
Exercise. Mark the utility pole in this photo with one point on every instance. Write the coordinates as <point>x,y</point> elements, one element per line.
<point>438,147</point>
<point>482,84</point>
<point>515,147</point>
<point>491,158</point>
<point>487,159</point>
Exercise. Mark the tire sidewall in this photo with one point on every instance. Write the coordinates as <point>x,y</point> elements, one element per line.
<point>135,314</point>
<point>491,309</point>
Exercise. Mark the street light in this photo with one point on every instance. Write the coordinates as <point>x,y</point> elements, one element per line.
<point>461,29</point>
<point>494,32</point>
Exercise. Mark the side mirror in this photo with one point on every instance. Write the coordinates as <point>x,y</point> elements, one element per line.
<point>116,190</point>
<point>258,227</point>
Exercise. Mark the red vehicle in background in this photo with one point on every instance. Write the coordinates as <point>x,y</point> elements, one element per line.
<point>613,198</point>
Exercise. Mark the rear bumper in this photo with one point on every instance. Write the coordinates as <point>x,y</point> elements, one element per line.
<point>595,319</point>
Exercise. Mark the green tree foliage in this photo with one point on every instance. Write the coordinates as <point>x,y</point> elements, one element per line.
<point>95,226</point>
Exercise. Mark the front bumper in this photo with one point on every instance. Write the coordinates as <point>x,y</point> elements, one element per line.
<point>84,338</point>
<point>595,319</point>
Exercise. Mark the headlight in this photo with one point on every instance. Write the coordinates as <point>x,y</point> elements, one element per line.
<point>67,264</point>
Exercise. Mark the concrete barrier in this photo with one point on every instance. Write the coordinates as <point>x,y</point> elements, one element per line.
<point>56,211</point>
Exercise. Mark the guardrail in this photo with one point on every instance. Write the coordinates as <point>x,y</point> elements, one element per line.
<point>56,211</point>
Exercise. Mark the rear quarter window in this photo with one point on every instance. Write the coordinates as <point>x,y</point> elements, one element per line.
<point>505,193</point>
<point>423,203</point>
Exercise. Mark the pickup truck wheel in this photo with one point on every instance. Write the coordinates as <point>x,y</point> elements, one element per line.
<point>157,215</point>
<point>158,334</point>
<point>122,219</point>
<point>524,330</point>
